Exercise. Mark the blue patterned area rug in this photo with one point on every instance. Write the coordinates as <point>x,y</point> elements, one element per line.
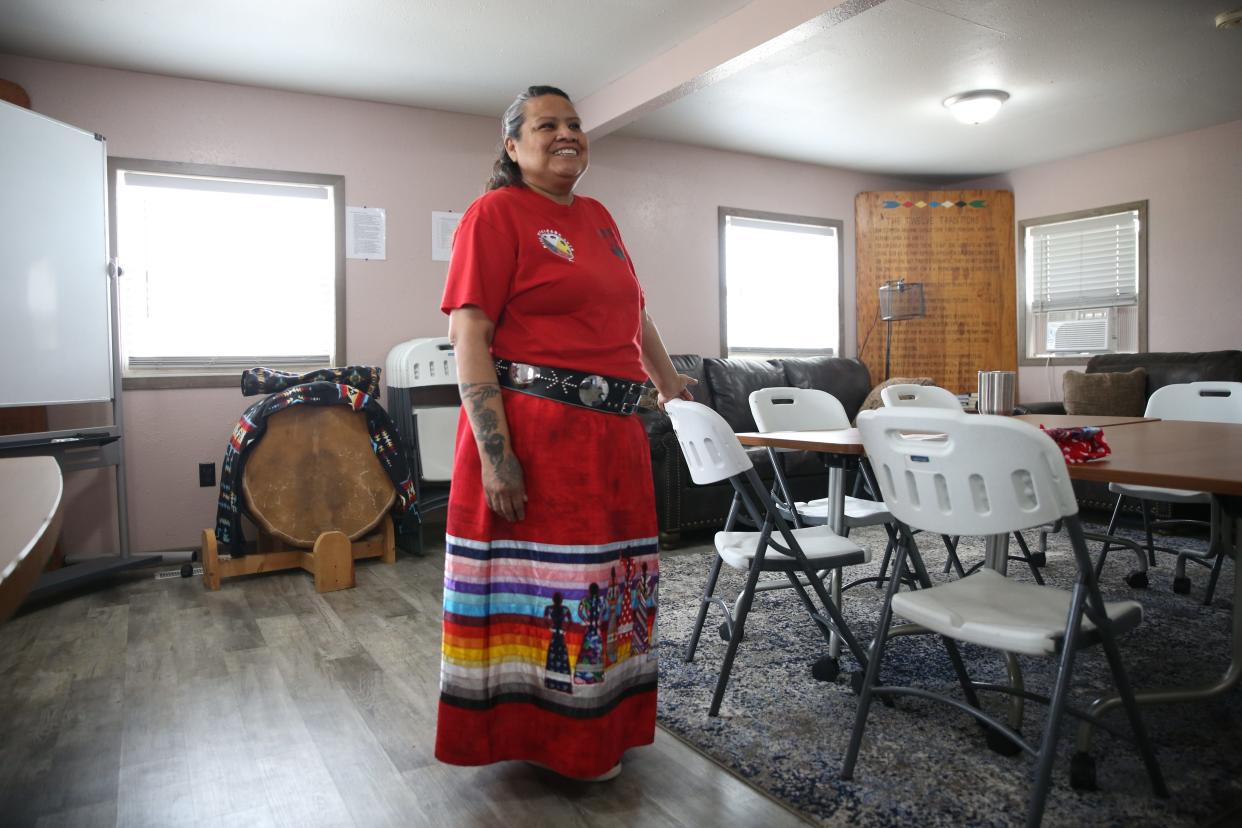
<point>924,763</point>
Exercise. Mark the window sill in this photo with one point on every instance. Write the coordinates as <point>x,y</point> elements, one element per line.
<point>166,381</point>
<point>1069,359</point>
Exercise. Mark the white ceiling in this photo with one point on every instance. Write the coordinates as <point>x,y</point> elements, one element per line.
<point>854,84</point>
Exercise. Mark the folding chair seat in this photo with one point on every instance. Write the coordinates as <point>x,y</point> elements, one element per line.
<point>713,453</point>
<point>953,473</point>
<point>1212,402</point>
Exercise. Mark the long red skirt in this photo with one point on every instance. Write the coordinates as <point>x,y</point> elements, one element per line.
<point>549,622</point>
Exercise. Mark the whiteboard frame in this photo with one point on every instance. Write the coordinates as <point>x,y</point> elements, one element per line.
<point>54,227</point>
<point>89,447</point>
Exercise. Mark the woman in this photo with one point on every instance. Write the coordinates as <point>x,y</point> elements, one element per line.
<point>552,486</point>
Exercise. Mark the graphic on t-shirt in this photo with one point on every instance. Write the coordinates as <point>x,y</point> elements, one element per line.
<point>557,243</point>
<point>611,238</point>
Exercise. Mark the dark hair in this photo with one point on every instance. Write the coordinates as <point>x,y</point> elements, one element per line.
<point>505,172</point>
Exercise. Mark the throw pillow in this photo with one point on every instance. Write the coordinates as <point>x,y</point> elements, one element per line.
<point>1116,394</point>
<point>873,399</point>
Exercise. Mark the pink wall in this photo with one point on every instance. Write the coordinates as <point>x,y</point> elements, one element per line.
<point>410,161</point>
<point>665,196</point>
<point>1191,183</point>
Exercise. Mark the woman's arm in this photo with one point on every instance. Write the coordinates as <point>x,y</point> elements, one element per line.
<point>670,384</point>
<point>471,331</point>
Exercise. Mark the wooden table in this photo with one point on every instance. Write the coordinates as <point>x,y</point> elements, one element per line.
<point>30,513</point>
<point>1079,420</point>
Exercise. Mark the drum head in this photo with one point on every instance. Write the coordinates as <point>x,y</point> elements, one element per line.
<point>314,471</point>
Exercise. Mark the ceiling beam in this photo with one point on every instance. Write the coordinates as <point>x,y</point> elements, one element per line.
<point>755,32</point>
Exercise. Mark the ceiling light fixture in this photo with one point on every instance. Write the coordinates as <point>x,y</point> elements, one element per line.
<point>977,106</point>
<point>1229,19</point>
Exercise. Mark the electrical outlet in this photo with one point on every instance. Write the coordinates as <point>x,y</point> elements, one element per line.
<point>206,474</point>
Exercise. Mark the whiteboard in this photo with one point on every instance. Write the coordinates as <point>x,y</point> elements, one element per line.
<point>55,316</point>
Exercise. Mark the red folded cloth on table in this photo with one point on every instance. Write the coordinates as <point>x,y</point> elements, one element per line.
<point>1079,445</point>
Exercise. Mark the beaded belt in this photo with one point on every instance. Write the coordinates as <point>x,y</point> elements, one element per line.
<point>594,391</point>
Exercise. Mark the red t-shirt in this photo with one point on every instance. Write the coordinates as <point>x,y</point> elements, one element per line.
<point>555,279</point>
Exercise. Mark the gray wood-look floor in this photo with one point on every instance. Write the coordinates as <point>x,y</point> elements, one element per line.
<point>155,702</point>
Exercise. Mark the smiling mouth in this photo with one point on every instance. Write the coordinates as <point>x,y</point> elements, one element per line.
<point>566,151</point>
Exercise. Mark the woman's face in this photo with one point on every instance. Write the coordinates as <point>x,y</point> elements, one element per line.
<point>551,148</point>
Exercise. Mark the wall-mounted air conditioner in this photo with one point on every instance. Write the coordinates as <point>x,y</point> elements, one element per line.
<point>1080,335</point>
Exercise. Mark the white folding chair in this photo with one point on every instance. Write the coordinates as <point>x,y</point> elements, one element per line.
<point>954,473</point>
<point>1210,402</point>
<point>933,396</point>
<point>713,453</point>
<point>800,409</point>
<point>919,396</point>
<point>796,409</point>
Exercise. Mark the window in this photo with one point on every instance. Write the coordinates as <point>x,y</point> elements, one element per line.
<point>1083,280</point>
<point>223,269</point>
<point>780,284</point>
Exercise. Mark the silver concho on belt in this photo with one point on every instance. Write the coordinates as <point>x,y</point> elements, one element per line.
<point>593,390</point>
<point>522,375</point>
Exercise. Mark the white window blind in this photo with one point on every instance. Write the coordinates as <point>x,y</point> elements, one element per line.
<point>1085,263</point>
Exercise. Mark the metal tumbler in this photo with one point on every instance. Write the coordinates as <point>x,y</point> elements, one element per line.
<point>996,392</point>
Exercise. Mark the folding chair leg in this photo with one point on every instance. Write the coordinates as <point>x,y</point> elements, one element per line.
<point>959,667</point>
<point>1221,541</point>
<point>748,598</point>
<point>1026,556</point>
<point>1126,692</point>
<point>1048,747</point>
<point>708,591</point>
<point>872,675</point>
<point>805,597</point>
<point>1151,544</point>
<point>950,545</point>
<point>1211,587</point>
<point>838,620</point>
<point>888,554</point>
<point>1112,528</point>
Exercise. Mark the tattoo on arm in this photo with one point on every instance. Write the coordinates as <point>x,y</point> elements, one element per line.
<point>478,393</point>
<point>484,418</point>
<point>494,445</point>
<point>509,471</point>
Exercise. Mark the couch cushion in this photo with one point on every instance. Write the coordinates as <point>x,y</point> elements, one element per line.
<point>874,400</point>
<point>1113,393</point>
<point>1173,367</point>
<point>732,380</point>
<point>846,379</point>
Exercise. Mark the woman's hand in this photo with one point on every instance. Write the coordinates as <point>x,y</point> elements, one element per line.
<point>505,487</point>
<point>678,389</point>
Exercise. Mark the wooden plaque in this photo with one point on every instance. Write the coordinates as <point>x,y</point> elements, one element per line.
<point>959,245</point>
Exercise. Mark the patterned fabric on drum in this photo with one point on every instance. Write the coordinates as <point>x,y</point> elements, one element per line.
<point>253,422</point>
<point>366,378</point>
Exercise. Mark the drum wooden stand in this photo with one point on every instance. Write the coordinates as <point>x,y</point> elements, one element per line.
<point>318,496</point>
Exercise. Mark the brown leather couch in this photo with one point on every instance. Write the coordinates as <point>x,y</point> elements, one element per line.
<point>1163,368</point>
<point>725,385</point>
